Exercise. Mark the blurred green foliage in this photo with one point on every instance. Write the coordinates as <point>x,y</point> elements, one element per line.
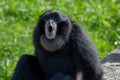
<point>99,18</point>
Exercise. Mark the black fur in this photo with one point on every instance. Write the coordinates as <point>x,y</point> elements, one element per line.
<point>28,68</point>
<point>77,55</point>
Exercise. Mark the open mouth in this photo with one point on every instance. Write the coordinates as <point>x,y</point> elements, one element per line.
<point>50,28</point>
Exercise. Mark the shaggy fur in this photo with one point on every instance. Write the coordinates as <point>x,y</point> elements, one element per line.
<point>74,50</point>
<point>64,52</point>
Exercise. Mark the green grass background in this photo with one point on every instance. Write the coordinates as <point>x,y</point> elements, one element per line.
<point>99,18</point>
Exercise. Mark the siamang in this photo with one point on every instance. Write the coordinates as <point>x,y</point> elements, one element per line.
<point>63,51</point>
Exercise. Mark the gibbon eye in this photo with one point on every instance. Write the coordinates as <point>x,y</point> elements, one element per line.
<point>46,19</point>
<point>55,19</point>
<point>64,22</point>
